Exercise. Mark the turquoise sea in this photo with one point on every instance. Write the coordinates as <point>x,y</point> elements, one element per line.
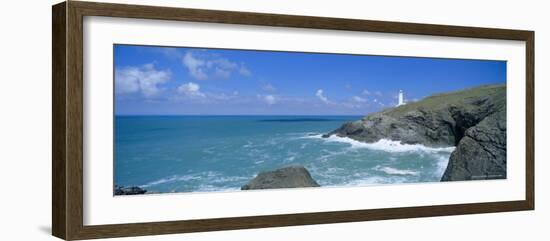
<point>221,153</point>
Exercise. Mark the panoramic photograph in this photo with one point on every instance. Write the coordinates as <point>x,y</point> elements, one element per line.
<point>190,119</point>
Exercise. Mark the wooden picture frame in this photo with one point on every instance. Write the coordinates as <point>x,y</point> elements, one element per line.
<point>67,123</point>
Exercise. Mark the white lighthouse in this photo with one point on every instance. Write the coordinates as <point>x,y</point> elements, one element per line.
<point>400,98</point>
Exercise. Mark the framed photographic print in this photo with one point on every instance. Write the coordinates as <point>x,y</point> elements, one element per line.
<point>210,120</point>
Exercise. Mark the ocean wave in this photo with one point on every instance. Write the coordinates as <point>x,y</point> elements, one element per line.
<point>206,177</point>
<point>395,171</point>
<point>248,144</point>
<point>212,188</point>
<point>326,155</point>
<point>310,135</point>
<point>387,145</point>
<point>289,159</point>
<point>209,150</point>
<point>174,178</point>
<point>226,179</point>
<point>373,180</point>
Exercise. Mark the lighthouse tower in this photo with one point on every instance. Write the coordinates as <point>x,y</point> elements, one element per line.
<point>400,98</point>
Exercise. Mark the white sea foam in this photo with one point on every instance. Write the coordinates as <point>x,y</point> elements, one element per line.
<point>443,161</point>
<point>373,180</point>
<point>327,154</point>
<point>211,188</point>
<point>208,177</point>
<point>221,179</point>
<point>311,136</point>
<point>395,171</point>
<point>248,144</point>
<point>174,178</point>
<point>388,145</point>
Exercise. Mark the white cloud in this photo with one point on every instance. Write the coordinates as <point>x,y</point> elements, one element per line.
<point>378,93</point>
<point>204,66</point>
<point>143,79</point>
<point>269,88</point>
<point>244,71</point>
<point>195,66</point>
<point>222,73</point>
<point>378,102</point>
<point>191,90</point>
<point>358,99</point>
<point>222,96</point>
<point>170,52</point>
<point>322,97</point>
<point>365,92</point>
<point>270,99</point>
<point>221,63</point>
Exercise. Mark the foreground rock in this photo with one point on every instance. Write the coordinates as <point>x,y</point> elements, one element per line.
<point>119,190</point>
<point>473,120</point>
<point>287,177</point>
<point>481,154</point>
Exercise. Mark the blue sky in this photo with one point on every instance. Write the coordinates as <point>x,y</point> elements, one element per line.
<point>196,81</point>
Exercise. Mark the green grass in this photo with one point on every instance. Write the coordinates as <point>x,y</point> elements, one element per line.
<point>443,100</point>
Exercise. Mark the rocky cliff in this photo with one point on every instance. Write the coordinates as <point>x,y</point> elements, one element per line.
<point>473,120</point>
<point>287,177</point>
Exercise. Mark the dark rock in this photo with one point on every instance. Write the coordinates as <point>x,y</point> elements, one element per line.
<point>287,177</point>
<point>481,153</point>
<point>473,120</point>
<point>133,190</point>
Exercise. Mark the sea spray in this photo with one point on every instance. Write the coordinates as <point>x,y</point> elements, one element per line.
<point>395,171</point>
<point>386,145</point>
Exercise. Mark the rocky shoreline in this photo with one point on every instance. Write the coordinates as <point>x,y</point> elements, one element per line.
<point>131,190</point>
<point>473,120</point>
<point>287,177</point>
